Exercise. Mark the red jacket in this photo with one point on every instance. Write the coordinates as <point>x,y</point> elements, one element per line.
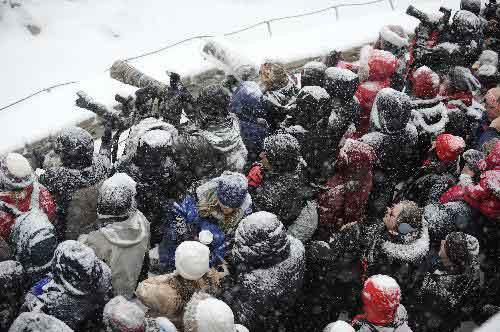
<point>349,188</point>
<point>21,200</point>
<point>381,66</point>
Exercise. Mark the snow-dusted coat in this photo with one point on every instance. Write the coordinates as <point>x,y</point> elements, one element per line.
<point>75,192</point>
<point>168,294</point>
<point>400,323</point>
<point>11,291</point>
<point>430,121</point>
<point>275,102</point>
<point>269,270</point>
<point>123,246</point>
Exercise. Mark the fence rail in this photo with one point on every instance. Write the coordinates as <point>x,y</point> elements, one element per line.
<point>232,33</point>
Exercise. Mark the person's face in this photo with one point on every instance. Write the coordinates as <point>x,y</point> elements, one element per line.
<point>225,210</point>
<point>443,255</point>
<point>492,106</point>
<point>391,217</point>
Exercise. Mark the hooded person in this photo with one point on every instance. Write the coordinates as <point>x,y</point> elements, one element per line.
<point>348,190</point>
<point>448,292</point>
<point>76,182</point>
<point>156,174</point>
<point>246,103</point>
<point>268,273</point>
<point>313,74</point>
<point>20,193</point>
<point>345,110</point>
<point>309,123</point>
<point>122,237</point>
<point>459,87</point>
<point>214,210</point>
<point>375,72</point>
<point>205,313</point>
<point>279,89</point>
<point>33,243</point>
<point>121,315</point>
<point>76,290</point>
<point>393,141</point>
<point>38,322</point>
<point>214,139</point>
<point>12,278</point>
<point>486,70</point>
<point>394,39</point>
<point>168,294</point>
<point>438,173</point>
<point>381,298</point>
<point>278,185</point>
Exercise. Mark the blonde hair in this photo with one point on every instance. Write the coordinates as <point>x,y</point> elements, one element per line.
<point>211,208</point>
<point>273,75</point>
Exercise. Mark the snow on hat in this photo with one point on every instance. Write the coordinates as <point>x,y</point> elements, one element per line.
<point>214,100</point>
<point>16,172</point>
<point>121,315</point>
<point>75,143</point>
<point>340,82</point>
<point>192,260</point>
<point>11,276</point>
<point>283,151</point>
<point>395,35</point>
<point>232,189</point>
<point>214,315</point>
<point>466,22</point>
<point>381,297</point>
<point>38,322</point>
<point>165,325</point>
<point>474,6</point>
<point>462,79</point>
<point>472,158</point>
<point>76,267</point>
<point>449,147</point>
<point>116,196</point>
<point>425,83</point>
<point>313,74</point>
<point>461,248</point>
<point>339,326</point>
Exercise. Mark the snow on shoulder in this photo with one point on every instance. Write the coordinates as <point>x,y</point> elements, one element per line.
<point>384,283</point>
<point>157,138</point>
<point>340,74</point>
<point>316,92</point>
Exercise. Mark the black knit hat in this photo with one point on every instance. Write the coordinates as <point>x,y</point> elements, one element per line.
<point>283,152</point>
<point>213,102</point>
<point>457,249</point>
<point>471,158</point>
<point>313,74</point>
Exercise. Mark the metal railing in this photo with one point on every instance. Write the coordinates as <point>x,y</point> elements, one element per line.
<point>267,22</point>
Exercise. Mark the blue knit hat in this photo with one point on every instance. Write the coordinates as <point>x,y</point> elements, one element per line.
<point>232,189</point>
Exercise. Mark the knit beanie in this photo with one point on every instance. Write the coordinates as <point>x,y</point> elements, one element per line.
<point>121,315</point>
<point>214,316</point>
<point>461,248</point>
<point>232,189</point>
<point>426,83</point>
<point>116,196</point>
<point>381,297</point>
<point>15,172</point>
<point>192,260</point>
<point>449,147</point>
<point>472,158</point>
<point>313,74</point>
<point>283,152</point>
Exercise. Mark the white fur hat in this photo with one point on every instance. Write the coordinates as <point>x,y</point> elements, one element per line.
<point>192,260</point>
<point>339,326</point>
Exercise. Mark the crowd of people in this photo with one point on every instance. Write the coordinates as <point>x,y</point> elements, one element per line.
<point>352,196</point>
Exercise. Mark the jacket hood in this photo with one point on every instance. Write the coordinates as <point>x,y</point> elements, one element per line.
<point>260,240</point>
<point>225,136</point>
<point>341,83</point>
<point>426,83</point>
<point>432,120</point>
<point>127,233</point>
<point>376,65</point>
<point>356,155</point>
<point>411,250</point>
<point>391,111</point>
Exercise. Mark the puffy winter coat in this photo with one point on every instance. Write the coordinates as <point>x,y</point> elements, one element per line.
<point>122,245</point>
<point>34,195</point>
<point>12,292</point>
<point>75,192</point>
<point>76,290</point>
<point>246,103</point>
<point>275,102</point>
<point>376,69</point>
<point>183,222</point>
<point>211,149</point>
<point>349,189</point>
<point>168,294</point>
<point>269,270</point>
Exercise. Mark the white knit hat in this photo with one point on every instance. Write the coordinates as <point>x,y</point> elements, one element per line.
<point>166,325</point>
<point>18,166</point>
<point>192,260</point>
<point>339,326</point>
<point>213,315</point>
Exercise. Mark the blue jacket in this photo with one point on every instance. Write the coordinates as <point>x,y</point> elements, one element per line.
<point>247,104</point>
<point>183,223</point>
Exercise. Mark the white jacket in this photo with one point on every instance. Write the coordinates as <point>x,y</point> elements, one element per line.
<point>122,245</point>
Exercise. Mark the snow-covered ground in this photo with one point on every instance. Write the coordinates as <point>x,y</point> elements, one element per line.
<point>80,39</point>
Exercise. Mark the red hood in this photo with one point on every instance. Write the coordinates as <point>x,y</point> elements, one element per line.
<point>425,83</point>
<point>355,155</point>
<point>380,303</point>
<point>449,147</point>
<point>382,65</point>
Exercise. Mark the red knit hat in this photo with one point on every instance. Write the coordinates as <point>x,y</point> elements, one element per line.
<point>425,83</point>
<point>449,147</point>
<point>381,297</point>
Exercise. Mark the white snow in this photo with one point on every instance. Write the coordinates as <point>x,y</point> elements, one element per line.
<point>317,92</point>
<point>339,326</point>
<point>80,39</point>
<point>384,283</point>
<point>340,74</point>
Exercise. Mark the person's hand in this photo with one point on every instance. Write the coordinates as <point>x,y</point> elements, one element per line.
<point>495,124</point>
